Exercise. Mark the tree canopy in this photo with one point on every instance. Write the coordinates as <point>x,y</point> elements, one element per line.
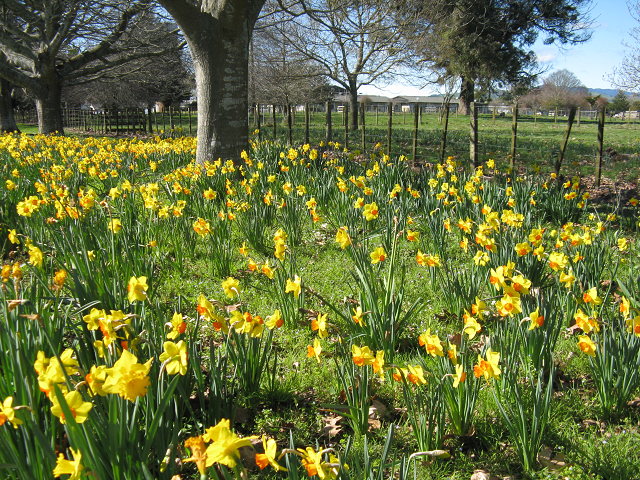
<point>489,41</point>
<point>48,44</point>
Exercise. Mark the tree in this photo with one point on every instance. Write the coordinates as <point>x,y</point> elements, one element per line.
<point>489,41</point>
<point>627,75</point>
<point>354,43</point>
<point>166,78</point>
<point>7,120</point>
<point>218,33</point>
<point>49,44</point>
<point>278,73</point>
<point>620,102</point>
<point>562,89</point>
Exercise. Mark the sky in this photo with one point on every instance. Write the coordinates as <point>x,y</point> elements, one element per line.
<point>592,62</point>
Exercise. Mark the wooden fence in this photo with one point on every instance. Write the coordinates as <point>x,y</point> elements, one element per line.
<point>419,132</point>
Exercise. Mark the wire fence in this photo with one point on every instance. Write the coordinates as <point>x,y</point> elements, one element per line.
<point>421,133</point>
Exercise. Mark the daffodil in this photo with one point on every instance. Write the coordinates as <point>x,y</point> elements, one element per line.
<point>378,255</point>
<point>471,327</point>
<point>370,211</point>
<point>488,367</point>
<point>8,414</point>
<point>315,350</point>
<point>175,357</point>
<point>587,345</point>
<point>275,320</point>
<point>69,467</point>
<point>293,286</point>
<point>231,287</point>
<point>459,376</point>
<point>225,445</point>
<point>362,356</point>
<point>178,326</point>
<point>431,343</point>
<point>342,237</point>
<point>319,324</point>
<point>35,256</point>
<point>127,377</point>
<point>115,225</point>
<point>79,408</point>
<point>537,320</point>
<point>269,456</point>
<point>137,289</point>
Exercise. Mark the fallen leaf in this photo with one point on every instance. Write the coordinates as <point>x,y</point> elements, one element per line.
<point>551,460</point>
<point>377,409</point>
<point>331,427</point>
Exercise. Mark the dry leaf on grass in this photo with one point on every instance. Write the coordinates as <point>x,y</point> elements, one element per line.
<point>551,460</point>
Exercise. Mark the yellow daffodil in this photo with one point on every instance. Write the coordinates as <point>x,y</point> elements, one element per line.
<point>127,377</point>
<point>79,408</point>
<point>137,288</point>
<point>8,414</point>
<point>362,356</point>
<point>270,448</point>
<point>378,255</point>
<point>587,345</point>
<point>175,357</point>
<point>293,286</point>
<point>225,445</point>
<point>315,350</point>
<point>69,467</point>
<point>231,287</point>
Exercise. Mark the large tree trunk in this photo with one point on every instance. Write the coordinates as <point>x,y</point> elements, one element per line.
<point>467,89</point>
<point>7,120</point>
<point>219,35</point>
<point>49,108</point>
<point>353,105</point>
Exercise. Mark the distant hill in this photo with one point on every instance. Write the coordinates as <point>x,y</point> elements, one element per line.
<point>607,93</point>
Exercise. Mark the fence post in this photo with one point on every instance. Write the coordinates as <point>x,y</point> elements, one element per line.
<point>328,136</point>
<point>563,147</point>
<point>473,137</point>
<point>389,126</point>
<point>494,115</point>
<point>117,122</point>
<point>362,123</point>
<point>416,118</point>
<point>273,117</point>
<point>601,115</point>
<point>443,144</point>
<point>346,125</point>
<point>290,124</point>
<point>514,136</point>
<point>306,123</point>
<point>259,127</point>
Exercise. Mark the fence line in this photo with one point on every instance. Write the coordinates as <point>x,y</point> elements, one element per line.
<point>427,140</point>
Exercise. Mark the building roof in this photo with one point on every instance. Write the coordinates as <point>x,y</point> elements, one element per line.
<point>426,99</point>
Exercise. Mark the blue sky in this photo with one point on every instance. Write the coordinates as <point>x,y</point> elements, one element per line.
<point>592,62</point>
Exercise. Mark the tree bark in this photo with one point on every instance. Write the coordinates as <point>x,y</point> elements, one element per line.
<point>49,108</point>
<point>353,105</point>
<point>219,36</point>
<point>7,120</point>
<point>467,95</point>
